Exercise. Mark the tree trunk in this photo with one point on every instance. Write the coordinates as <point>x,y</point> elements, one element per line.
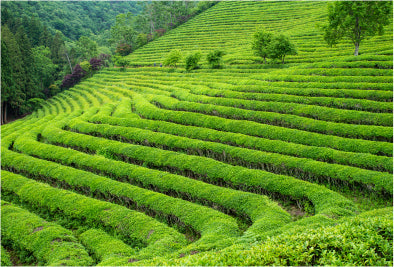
<point>283,60</point>
<point>357,45</point>
<point>4,113</point>
<point>69,62</point>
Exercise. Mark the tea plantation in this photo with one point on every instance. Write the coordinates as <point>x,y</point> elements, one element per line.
<point>250,164</point>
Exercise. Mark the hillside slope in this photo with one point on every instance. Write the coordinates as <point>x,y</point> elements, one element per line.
<point>247,165</point>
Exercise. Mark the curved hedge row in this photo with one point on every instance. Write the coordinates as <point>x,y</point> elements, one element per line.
<point>302,168</point>
<point>368,132</point>
<point>361,160</point>
<point>134,227</point>
<point>187,215</point>
<point>309,111</point>
<point>147,110</point>
<point>324,200</point>
<point>207,221</point>
<point>103,246</point>
<point>50,243</point>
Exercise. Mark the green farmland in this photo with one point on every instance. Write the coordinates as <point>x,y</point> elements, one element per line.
<point>250,164</point>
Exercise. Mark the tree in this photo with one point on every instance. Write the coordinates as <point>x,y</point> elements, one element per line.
<point>260,43</point>
<point>44,66</point>
<point>122,62</point>
<point>173,57</point>
<point>356,20</point>
<point>214,59</point>
<point>86,48</point>
<point>280,46</point>
<point>142,39</point>
<point>123,30</point>
<point>123,49</point>
<point>192,61</point>
<point>12,75</point>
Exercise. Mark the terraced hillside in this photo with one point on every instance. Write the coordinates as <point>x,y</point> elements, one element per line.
<point>246,165</point>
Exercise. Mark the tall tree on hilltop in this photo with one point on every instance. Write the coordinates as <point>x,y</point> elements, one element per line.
<point>356,20</point>
<point>56,45</point>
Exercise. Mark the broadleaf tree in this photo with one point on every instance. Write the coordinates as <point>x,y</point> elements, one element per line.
<point>356,20</point>
<point>280,46</point>
<point>260,43</point>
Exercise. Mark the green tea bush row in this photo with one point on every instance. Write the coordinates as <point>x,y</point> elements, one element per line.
<point>5,256</point>
<point>258,208</point>
<point>299,167</point>
<point>271,119</point>
<point>365,240</point>
<point>134,227</point>
<point>354,64</point>
<point>291,82</point>
<point>200,219</point>
<point>124,109</point>
<point>339,72</point>
<point>325,79</point>
<point>50,243</point>
<point>310,111</point>
<point>211,170</point>
<point>331,98</point>
<point>361,160</point>
<point>337,98</point>
<point>104,246</point>
<point>149,111</point>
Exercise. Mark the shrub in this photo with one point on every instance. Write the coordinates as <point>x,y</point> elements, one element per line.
<point>192,61</point>
<point>173,57</point>
<point>122,62</point>
<point>280,46</point>
<point>123,49</point>
<point>214,59</point>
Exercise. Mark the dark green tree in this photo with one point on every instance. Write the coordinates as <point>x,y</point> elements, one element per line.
<point>214,59</point>
<point>12,91</point>
<point>56,46</point>
<point>260,43</point>
<point>280,46</point>
<point>7,82</point>
<point>45,37</point>
<point>45,69</point>
<point>173,57</point>
<point>192,61</point>
<point>31,80</point>
<point>356,21</point>
<point>86,48</point>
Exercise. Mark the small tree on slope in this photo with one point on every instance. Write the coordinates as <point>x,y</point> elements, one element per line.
<point>260,42</point>
<point>279,47</point>
<point>356,20</point>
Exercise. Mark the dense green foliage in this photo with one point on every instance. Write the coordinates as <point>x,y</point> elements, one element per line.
<point>246,164</point>
<point>73,19</point>
<point>356,21</point>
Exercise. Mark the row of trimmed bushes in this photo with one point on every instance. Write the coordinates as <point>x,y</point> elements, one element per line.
<point>384,80</point>
<point>363,240</point>
<point>339,71</point>
<point>264,213</point>
<point>368,132</point>
<point>50,243</point>
<point>309,111</point>
<point>250,85</point>
<point>150,111</point>
<point>361,160</point>
<point>324,200</point>
<point>355,64</point>
<point>103,246</point>
<point>134,227</point>
<point>302,168</point>
<point>198,218</point>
